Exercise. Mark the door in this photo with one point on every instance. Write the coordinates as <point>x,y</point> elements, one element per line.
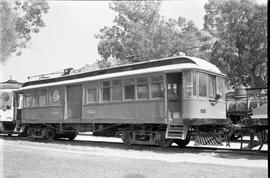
<point>174,93</point>
<point>74,101</point>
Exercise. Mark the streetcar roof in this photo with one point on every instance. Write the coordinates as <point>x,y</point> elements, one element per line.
<point>183,62</point>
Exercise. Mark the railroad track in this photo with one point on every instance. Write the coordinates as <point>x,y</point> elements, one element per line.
<point>120,145</point>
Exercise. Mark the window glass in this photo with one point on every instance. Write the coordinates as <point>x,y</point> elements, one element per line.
<point>142,91</point>
<point>142,88</point>
<point>106,95</point>
<point>188,84</point>
<point>212,86</point>
<point>194,80</point>
<point>157,86</point>
<point>202,84</point>
<point>20,101</point>
<point>35,98</point>
<point>27,100</point>
<point>220,86</point>
<point>191,85</point>
<point>129,89</point>
<point>43,97</point>
<point>116,90</point>
<point>172,91</point>
<point>92,95</point>
<point>157,90</point>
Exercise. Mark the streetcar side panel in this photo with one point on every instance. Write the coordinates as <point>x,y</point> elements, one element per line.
<point>42,115</point>
<point>139,112</point>
<point>203,98</point>
<point>43,105</point>
<point>204,110</point>
<point>132,99</point>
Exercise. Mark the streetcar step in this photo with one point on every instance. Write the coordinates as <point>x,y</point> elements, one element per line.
<point>174,131</point>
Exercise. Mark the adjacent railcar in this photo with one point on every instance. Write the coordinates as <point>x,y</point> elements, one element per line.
<point>247,109</point>
<point>156,102</point>
<point>7,120</point>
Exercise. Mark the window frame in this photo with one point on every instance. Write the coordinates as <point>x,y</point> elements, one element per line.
<point>147,83</point>
<point>120,86</point>
<point>194,74</point>
<point>61,94</point>
<point>160,84</point>
<point>91,85</point>
<point>222,79</point>
<point>210,77</point>
<point>129,84</point>
<point>25,99</point>
<point>87,94</point>
<point>206,83</point>
<point>46,99</point>
<point>102,90</point>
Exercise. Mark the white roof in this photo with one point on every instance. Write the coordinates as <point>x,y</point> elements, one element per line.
<point>205,65</point>
<point>199,64</point>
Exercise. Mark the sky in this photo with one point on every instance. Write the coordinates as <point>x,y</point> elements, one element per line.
<point>68,39</point>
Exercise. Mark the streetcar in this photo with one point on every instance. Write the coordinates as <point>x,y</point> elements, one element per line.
<point>7,120</point>
<point>157,102</point>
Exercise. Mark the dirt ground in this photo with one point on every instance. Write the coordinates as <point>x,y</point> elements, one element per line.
<point>39,159</point>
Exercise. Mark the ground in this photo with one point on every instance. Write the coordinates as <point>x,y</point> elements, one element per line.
<point>28,158</point>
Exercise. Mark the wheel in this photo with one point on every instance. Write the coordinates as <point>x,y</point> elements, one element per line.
<point>24,133</point>
<point>182,143</point>
<point>163,142</point>
<point>30,132</point>
<point>51,134</point>
<point>72,136</point>
<point>126,138</point>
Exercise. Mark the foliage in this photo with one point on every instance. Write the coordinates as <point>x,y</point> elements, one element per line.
<point>18,20</point>
<point>241,48</point>
<point>140,33</point>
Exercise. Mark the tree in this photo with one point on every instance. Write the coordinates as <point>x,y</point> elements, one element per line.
<point>241,48</point>
<point>139,33</point>
<point>18,20</point>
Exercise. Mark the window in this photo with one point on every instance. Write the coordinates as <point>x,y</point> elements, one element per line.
<point>5,100</point>
<point>35,98</point>
<point>20,101</point>
<point>142,88</point>
<point>4,97</point>
<point>129,89</point>
<point>92,96</point>
<point>106,95</point>
<point>212,86</point>
<point>55,96</point>
<point>202,84</point>
<point>27,100</point>
<point>194,81</point>
<point>43,97</point>
<point>157,86</point>
<point>116,90</point>
<point>191,83</point>
<point>220,86</point>
<point>172,91</point>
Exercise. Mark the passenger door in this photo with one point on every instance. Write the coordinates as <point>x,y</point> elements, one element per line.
<point>174,92</point>
<point>74,101</point>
